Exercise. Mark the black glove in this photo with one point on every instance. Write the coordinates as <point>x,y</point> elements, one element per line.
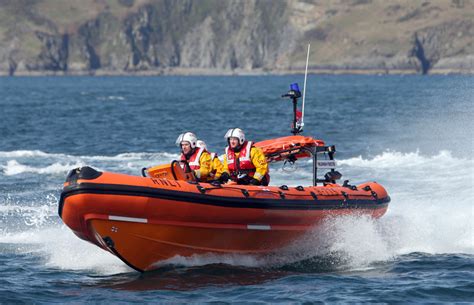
<point>243,179</point>
<point>215,183</point>
<point>254,181</point>
<point>224,177</point>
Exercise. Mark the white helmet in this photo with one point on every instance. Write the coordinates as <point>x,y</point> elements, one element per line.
<point>235,133</point>
<point>201,144</point>
<point>187,137</point>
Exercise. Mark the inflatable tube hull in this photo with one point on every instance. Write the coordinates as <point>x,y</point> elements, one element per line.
<point>144,221</point>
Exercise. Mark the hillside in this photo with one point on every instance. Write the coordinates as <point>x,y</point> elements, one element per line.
<point>234,36</point>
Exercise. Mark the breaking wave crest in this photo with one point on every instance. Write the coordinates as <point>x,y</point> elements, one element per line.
<point>38,162</point>
<point>14,168</point>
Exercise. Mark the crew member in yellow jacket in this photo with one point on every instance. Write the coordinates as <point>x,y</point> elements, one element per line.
<point>197,159</point>
<point>243,162</point>
<point>216,164</point>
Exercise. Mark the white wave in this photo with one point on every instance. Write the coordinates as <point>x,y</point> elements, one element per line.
<point>392,159</point>
<point>60,248</point>
<point>431,209</point>
<point>133,156</point>
<point>14,168</point>
<point>119,157</point>
<point>18,162</point>
<point>206,259</point>
<point>21,209</point>
<point>111,98</point>
<point>27,153</point>
<point>360,238</point>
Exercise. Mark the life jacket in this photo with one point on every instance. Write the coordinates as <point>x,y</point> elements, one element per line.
<point>193,160</point>
<point>243,164</point>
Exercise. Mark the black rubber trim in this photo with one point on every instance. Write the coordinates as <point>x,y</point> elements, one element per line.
<point>111,246</point>
<point>207,199</point>
<point>282,195</point>
<point>125,261</point>
<point>172,169</point>
<point>201,189</point>
<point>84,173</point>
<point>61,205</point>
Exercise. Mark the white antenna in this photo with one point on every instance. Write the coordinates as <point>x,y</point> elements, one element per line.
<point>304,86</point>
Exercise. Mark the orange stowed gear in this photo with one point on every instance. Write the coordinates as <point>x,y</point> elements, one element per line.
<point>199,162</point>
<point>250,160</point>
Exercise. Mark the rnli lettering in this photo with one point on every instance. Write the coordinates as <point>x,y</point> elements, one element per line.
<point>165,182</point>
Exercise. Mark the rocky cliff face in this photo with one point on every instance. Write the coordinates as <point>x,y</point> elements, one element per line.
<point>443,46</point>
<point>233,36</point>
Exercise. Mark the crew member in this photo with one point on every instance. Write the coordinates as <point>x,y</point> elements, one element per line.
<point>243,162</point>
<point>197,159</point>
<point>216,164</point>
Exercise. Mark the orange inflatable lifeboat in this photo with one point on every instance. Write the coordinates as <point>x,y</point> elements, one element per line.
<point>145,220</point>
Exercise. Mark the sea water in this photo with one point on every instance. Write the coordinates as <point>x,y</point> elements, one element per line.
<point>412,134</point>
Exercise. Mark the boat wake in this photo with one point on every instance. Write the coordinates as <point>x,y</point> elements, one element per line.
<point>431,212</point>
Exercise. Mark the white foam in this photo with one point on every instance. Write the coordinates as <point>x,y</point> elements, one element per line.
<point>14,168</point>
<point>18,162</point>
<point>111,98</point>
<point>123,156</point>
<point>60,248</point>
<point>431,209</point>
<point>393,159</point>
<point>206,259</point>
<point>132,156</point>
<point>27,153</point>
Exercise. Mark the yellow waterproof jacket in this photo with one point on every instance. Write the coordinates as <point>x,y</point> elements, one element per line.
<point>258,160</point>
<point>204,167</point>
<point>216,168</point>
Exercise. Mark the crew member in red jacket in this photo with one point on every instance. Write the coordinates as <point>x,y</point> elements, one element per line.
<point>198,159</point>
<point>243,162</point>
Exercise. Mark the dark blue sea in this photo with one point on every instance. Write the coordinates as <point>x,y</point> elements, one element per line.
<point>412,134</point>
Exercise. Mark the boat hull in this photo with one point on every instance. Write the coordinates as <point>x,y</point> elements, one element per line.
<point>144,221</point>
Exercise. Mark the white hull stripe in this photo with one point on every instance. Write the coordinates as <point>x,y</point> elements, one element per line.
<point>144,220</point>
<point>129,219</point>
<point>259,227</point>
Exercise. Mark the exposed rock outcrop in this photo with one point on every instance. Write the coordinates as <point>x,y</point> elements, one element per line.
<point>214,36</point>
<point>53,55</point>
<point>436,46</point>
